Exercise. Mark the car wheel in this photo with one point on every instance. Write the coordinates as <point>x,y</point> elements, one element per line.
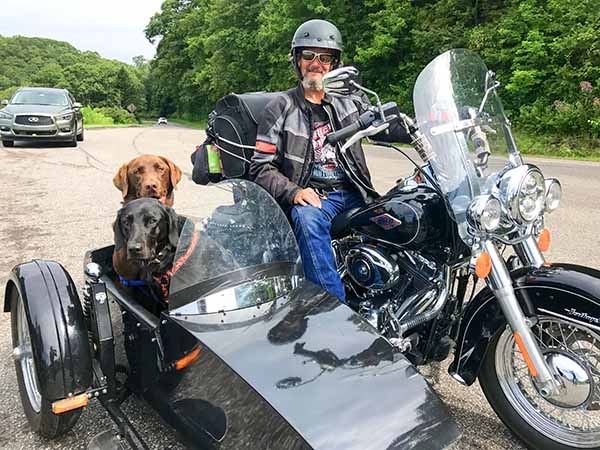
<point>80,135</point>
<point>8,143</point>
<point>73,141</point>
<point>36,404</point>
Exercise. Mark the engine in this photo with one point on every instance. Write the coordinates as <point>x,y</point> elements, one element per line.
<point>371,268</point>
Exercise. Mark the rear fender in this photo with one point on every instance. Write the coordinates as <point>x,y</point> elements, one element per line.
<point>562,290</point>
<point>56,326</point>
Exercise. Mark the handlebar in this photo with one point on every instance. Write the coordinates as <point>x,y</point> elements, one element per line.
<point>365,119</point>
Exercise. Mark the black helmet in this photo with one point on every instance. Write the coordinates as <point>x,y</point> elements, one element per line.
<point>317,33</point>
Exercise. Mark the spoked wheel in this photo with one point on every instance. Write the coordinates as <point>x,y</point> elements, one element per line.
<point>36,404</point>
<point>568,420</point>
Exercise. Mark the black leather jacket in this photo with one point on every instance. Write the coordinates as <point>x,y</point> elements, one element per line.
<point>283,159</point>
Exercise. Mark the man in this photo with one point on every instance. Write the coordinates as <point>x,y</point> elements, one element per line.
<point>307,176</point>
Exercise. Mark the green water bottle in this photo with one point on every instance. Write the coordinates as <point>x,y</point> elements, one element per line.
<point>214,162</point>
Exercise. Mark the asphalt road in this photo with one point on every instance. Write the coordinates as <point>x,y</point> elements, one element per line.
<point>57,202</point>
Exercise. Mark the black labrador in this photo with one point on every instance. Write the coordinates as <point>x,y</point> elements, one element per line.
<point>146,233</point>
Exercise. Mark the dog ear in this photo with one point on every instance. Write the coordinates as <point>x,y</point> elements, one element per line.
<point>173,227</point>
<point>118,231</point>
<point>121,181</point>
<point>174,171</point>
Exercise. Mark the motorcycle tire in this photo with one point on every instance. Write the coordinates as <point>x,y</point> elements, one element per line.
<point>513,405</point>
<point>36,403</point>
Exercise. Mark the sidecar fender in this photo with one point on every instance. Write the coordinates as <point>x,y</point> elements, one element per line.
<point>56,325</point>
<point>562,290</point>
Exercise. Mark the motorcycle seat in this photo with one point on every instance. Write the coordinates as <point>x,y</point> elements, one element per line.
<point>339,224</point>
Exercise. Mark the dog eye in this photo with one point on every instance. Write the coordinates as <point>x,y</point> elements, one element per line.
<point>160,168</point>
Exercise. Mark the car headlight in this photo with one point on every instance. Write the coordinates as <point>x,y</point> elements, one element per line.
<point>5,115</point>
<point>64,117</point>
<point>553,194</point>
<point>485,213</point>
<point>523,191</point>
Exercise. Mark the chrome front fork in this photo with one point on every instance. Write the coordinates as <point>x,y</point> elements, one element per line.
<point>500,283</point>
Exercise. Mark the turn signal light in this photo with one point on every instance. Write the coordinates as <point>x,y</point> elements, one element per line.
<point>483,266</point>
<point>70,403</point>
<point>188,359</point>
<point>544,240</point>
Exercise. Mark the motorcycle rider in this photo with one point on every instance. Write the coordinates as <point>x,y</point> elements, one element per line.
<point>307,176</point>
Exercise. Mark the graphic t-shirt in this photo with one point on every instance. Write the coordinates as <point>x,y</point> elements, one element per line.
<point>327,171</point>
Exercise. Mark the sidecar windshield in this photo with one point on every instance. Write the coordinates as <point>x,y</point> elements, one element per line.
<point>459,111</point>
<point>236,250</point>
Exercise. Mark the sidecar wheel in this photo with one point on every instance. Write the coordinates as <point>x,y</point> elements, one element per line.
<point>36,403</point>
<point>563,422</point>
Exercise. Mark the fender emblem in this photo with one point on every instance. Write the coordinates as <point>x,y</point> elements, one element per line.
<point>582,315</point>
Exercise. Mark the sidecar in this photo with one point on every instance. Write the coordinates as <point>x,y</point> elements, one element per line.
<point>245,355</point>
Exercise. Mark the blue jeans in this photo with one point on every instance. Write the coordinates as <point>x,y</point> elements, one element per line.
<point>312,228</point>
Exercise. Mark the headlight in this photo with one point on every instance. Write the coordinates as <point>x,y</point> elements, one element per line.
<point>5,115</point>
<point>484,213</point>
<point>523,191</point>
<point>64,117</point>
<point>553,194</point>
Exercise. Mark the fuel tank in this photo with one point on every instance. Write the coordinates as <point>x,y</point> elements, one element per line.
<point>412,217</point>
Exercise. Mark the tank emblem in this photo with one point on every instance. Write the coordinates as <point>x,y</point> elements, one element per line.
<point>386,221</point>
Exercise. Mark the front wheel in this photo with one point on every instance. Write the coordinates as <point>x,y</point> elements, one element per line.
<point>36,404</point>
<point>566,421</point>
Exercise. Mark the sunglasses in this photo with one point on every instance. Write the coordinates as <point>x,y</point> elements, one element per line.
<point>324,58</point>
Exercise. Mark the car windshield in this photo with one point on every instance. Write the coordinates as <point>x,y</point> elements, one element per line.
<point>40,98</point>
<point>236,251</point>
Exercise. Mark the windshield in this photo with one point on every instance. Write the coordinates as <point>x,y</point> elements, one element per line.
<point>40,98</point>
<point>458,110</point>
<point>236,250</point>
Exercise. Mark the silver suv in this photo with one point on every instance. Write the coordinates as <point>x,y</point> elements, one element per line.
<point>41,114</point>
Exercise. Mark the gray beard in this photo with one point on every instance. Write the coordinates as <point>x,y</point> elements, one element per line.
<point>313,85</point>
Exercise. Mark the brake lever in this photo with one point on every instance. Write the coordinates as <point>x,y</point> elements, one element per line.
<point>369,131</point>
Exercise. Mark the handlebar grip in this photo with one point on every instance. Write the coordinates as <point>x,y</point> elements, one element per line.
<point>365,119</point>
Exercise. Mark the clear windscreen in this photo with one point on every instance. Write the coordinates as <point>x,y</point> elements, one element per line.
<point>236,250</point>
<point>457,108</point>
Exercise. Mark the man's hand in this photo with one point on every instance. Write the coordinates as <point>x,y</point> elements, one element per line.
<point>307,196</point>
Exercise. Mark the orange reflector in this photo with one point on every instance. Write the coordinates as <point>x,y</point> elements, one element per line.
<point>528,361</point>
<point>70,403</point>
<point>544,240</point>
<point>483,266</point>
<point>188,359</point>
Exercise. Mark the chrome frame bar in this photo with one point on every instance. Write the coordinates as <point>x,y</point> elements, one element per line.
<point>529,252</point>
<point>500,283</point>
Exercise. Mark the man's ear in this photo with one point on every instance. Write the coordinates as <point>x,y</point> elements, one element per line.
<point>173,227</point>
<point>121,181</point>
<point>174,171</point>
<point>120,238</point>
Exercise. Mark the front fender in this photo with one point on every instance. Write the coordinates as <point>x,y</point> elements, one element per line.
<point>562,290</point>
<point>58,333</point>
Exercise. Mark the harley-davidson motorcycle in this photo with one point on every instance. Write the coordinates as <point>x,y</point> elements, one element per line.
<point>531,335</point>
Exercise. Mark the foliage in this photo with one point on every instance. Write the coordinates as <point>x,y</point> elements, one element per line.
<point>542,51</point>
<point>93,81</point>
<point>93,116</point>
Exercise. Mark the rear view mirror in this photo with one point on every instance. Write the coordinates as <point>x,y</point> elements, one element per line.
<point>342,81</point>
<point>4,102</point>
<point>76,105</point>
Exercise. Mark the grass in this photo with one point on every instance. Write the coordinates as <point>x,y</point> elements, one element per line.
<point>562,147</point>
<point>196,124</point>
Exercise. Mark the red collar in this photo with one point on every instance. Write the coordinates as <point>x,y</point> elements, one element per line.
<point>164,279</point>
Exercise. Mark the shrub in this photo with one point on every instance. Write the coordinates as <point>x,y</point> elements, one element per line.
<point>93,116</point>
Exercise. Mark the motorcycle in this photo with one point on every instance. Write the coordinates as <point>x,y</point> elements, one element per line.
<point>531,335</point>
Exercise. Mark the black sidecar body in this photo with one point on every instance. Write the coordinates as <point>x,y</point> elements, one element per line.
<point>249,356</point>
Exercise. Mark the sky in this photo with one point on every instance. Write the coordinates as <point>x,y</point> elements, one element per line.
<point>113,28</point>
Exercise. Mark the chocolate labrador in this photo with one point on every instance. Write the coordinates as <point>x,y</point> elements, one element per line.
<point>148,176</point>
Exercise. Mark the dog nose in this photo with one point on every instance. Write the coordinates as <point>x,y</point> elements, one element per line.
<point>135,248</point>
<point>151,186</point>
